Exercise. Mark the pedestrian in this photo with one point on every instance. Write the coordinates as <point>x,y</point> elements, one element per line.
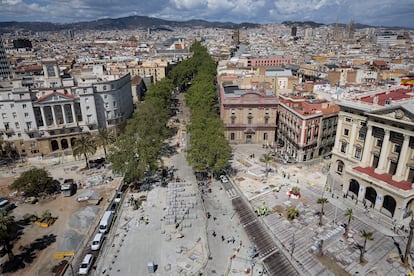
<point>222,238</point>
<point>214,233</point>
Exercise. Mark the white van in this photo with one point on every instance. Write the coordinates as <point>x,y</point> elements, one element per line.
<point>97,241</point>
<point>106,222</point>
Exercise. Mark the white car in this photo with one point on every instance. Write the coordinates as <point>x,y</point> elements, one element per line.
<point>224,179</point>
<point>118,197</point>
<point>86,264</point>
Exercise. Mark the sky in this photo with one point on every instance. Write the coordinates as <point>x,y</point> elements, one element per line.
<point>372,12</point>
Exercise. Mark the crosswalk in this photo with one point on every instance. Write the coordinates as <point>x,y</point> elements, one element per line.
<point>231,193</point>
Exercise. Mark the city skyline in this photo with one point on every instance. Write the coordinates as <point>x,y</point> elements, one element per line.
<point>375,13</point>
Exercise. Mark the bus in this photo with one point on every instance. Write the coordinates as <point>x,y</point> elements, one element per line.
<point>106,222</point>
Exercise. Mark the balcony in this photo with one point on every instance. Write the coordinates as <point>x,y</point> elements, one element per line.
<point>30,130</point>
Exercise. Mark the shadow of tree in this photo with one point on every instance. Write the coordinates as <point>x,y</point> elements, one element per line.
<point>28,253</point>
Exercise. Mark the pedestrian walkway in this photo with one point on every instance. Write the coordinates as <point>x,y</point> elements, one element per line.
<point>301,237</point>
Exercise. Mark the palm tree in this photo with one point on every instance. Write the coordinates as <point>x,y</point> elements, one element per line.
<point>367,236</point>
<point>6,223</point>
<point>322,202</point>
<point>105,138</point>
<point>292,213</point>
<point>350,214</point>
<point>266,158</point>
<point>84,145</point>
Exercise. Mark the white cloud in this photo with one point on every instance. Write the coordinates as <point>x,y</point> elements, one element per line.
<point>189,4</point>
<point>374,12</point>
<point>10,2</point>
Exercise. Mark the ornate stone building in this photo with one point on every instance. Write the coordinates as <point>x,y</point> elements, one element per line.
<point>45,120</point>
<point>373,156</point>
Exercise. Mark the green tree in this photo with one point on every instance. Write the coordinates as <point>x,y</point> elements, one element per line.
<point>292,213</point>
<point>322,201</point>
<point>6,228</point>
<point>366,235</point>
<point>350,214</point>
<point>35,182</point>
<point>266,158</point>
<point>84,145</point>
<point>104,138</point>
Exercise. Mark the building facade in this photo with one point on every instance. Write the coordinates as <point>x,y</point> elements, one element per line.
<point>306,127</point>
<point>373,156</point>
<point>5,71</point>
<point>46,120</point>
<point>249,116</point>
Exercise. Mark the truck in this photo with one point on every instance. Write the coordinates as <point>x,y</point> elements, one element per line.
<point>106,221</point>
<point>68,188</point>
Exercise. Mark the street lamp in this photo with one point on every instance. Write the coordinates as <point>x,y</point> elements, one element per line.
<point>410,239</point>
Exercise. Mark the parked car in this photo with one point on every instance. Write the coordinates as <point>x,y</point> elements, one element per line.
<point>86,264</point>
<point>118,197</point>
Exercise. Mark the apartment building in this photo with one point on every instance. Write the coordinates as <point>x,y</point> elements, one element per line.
<point>46,120</point>
<point>373,156</point>
<point>5,71</point>
<point>306,127</point>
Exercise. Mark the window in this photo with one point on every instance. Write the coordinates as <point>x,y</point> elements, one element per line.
<point>393,167</point>
<point>114,103</point>
<point>4,115</point>
<point>266,120</point>
<point>105,96</point>
<point>232,136</point>
<point>104,88</point>
<point>343,146</point>
<point>87,107</point>
<point>24,105</point>
<point>265,136</point>
<point>17,125</point>
<point>358,152</point>
<point>361,136</point>
<point>362,123</point>
<point>1,106</point>
<point>26,114</point>
<point>14,115</point>
<point>348,119</point>
<point>397,148</point>
<point>233,120</point>
<point>85,91</point>
<point>378,143</point>
<point>11,105</point>
<point>29,125</point>
<point>86,100</point>
<point>340,167</point>
<point>233,112</point>
<point>106,105</point>
<point>346,132</point>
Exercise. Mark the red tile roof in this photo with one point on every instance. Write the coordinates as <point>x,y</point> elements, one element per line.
<point>385,177</point>
<point>395,95</point>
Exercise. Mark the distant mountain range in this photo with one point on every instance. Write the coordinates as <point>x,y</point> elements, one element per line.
<point>140,22</point>
<point>130,22</point>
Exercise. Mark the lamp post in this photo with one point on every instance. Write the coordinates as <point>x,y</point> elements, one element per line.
<point>410,239</point>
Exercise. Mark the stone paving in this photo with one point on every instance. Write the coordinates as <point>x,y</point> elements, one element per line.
<point>303,234</point>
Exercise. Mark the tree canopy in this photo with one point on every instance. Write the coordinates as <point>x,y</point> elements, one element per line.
<point>35,182</point>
